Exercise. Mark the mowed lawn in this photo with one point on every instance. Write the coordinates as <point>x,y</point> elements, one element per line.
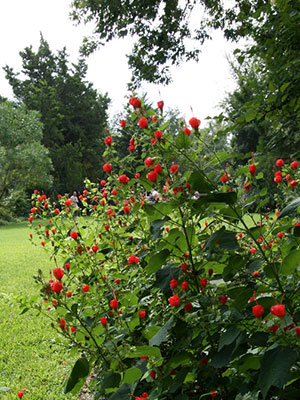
<point>29,358</point>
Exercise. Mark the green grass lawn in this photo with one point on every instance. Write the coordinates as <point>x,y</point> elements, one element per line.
<point>28,357</point>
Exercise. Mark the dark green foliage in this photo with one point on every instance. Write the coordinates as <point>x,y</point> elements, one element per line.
<point>73,113</point>
<point>25,163</point>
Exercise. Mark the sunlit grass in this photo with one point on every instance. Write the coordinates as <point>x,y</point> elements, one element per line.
<point>28,356</point>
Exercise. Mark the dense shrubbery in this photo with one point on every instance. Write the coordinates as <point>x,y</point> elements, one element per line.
<point>186,297</point>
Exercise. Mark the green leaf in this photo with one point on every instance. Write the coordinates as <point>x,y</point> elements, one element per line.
<point>135,321</point>
<point>156,261</point>
<point>199,182</point>
<point>275,368</point>
<point>222,357</point>
<point>78,375</point>
<point>249,361</point>
<point>290,210</point>
<point>250,115</point>
<point>155,228</point>
<point>181,358</point>
<point>161,335</point>
<point>110,380</point>
<point>182,140</point>
<point>121,393</point>
<point>297,231</point>
<point>290,263</point>
<point>132,375</point>
<point>229,337</point>
<point>142,351</point>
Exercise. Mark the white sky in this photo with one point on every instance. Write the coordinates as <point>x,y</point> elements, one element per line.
<point>199,85</point>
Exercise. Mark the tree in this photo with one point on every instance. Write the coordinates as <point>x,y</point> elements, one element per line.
<point>73,113</point>
<point>25,162</point>
<point>164,36</point>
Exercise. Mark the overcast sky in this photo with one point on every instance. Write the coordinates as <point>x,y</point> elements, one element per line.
<point>199,85</point>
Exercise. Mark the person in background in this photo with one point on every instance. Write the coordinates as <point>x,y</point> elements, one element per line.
<point>75,201</point>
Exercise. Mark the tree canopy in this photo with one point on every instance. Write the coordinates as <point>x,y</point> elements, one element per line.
<point>73,113</point>
<point>25,162</point>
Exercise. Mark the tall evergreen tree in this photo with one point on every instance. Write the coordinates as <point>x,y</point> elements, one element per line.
<point>73,113</point>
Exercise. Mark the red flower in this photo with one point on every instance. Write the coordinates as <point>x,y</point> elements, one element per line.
<point>152,176</point>
<point>143,123</point>
<point>56,211</point>
<point>157,168</point>
<point>184,286</point>
<point>58,273</point>
<point>195,123</point>
<point>213,393</point>
<point>298,331</point>
<point>203,282</point>
<point>108,140</point>
<point>142,314</point>
<point>278,178</point>
<point>69,294</point>
<point>257,311</point>
<point>74,235</point>
<point>126,210</point>
<point>106,227</point>
<point>174,301</point>
<point>280,162</point>
<point>160,105</point>
<point>294,164</point>
<point>152,141</point>
<point>123,179</point>
<point>68,202</point>
<point>173,283</point>
<point>252,169</point>
<point>223,299</point>
<point>153,374</point>
<point>279,235</point>
<point>247,186</point>
<point>158,135</point>
<point>73,329</point>
<point>114,304</point>
<point>133,259</point>
<point>20,395</point>
<point>85,288</point>
<point>274,328</point>
<point>56,287</point>
<point>135,102</point>
<point>293,184</point>
<point>103,321</point>
<point>225,178</point>
<point>148,162</point>
<point>174,168</point>
<point>107,167</point>
<point>95,248</point>
<point>279,310</point>
<point>188,307</point>
<point>187,131</point>
<point>123,123</point>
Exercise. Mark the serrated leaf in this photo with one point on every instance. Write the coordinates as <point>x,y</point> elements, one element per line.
<point>156,261</point>
<point>290,263</point>
<point>275,368</point>
<point>182,140</point>
<point>199,182</point>
<point>161,335</point>
<point>229,337</point>
<point>78,375</point>
<point>291,209</point>
<point>142,351</point>
<point>132,375</point>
